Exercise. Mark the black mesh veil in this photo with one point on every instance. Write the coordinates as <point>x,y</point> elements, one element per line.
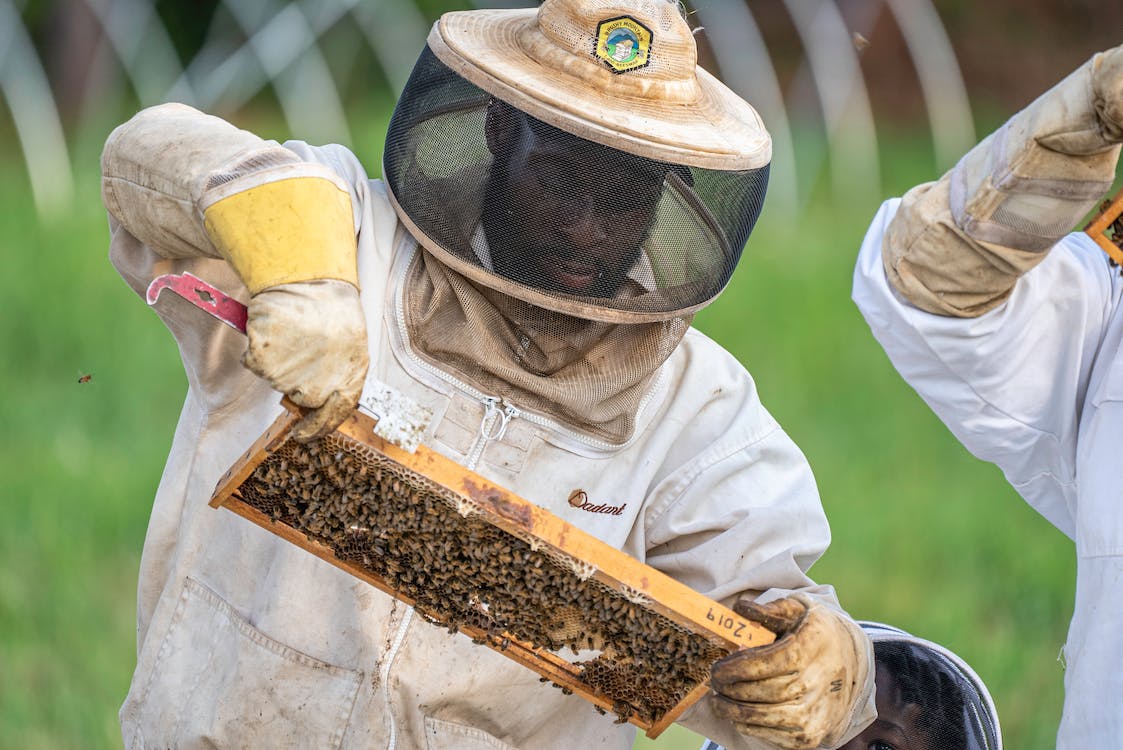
<point>956,710</point>
<point>556,220</point>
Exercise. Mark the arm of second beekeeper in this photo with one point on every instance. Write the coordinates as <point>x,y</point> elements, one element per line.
<point>984,301</point>
<point>191,185</point>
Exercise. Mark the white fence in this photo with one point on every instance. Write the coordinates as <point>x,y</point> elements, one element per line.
<point>254,45</point>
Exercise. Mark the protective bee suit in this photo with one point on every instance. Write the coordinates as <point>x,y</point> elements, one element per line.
<point>1009,327</point>
<point>530,280</point>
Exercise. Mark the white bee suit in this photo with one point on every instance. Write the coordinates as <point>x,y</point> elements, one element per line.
<point>244,640</point>
<point>1036,387</point>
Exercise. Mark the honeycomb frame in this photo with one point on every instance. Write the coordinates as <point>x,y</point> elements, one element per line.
<point>636,622</point>
<point>1109,219</point>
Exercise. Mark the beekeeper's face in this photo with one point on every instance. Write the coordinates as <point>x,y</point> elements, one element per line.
<point>561,213</point>
<point>897,724</point>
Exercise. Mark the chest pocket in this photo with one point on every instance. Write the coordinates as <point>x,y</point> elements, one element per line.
<point>447,735</point>
<point>219,682</point>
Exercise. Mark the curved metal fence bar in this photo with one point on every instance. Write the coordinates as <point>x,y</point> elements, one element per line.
<point>941,82</point>
<point>141,43</point>
<point>396,32</point>
<point>281,50</point>
<point>833,62</point>
<point>746,67</point>
<point>302,79</point>
<point>28,94</point>
<point>253,46</point>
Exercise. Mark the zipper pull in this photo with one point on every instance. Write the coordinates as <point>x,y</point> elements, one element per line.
<point>496,408</point>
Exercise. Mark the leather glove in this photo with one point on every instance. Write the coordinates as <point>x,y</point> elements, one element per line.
<point>1030,182</point>
<point>958,246</point>
<point>292,242</point>
<point>803,690</point>
<point>286,227</point>
<point>308,339</point>
<point>1107,93</point>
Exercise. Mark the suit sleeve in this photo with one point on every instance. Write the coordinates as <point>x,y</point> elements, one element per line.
<point>1010,384</point>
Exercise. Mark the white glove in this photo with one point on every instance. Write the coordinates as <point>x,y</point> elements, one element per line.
<point>957,247</point>
<point>286,226</point>
<point>804,690</point>
<point>292,241</point>
<point>308,339</point>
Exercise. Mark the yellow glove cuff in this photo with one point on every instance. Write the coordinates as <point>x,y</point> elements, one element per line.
<point>295,229</point>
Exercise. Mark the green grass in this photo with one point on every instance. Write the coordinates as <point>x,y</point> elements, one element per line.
<point>80,465</point>
<point>925,536</point>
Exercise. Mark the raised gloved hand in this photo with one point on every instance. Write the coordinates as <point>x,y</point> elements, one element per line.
<point>1030,182</point>
<point>802,691</point>
<point>292,242</point>
<point>286,227</point>
<point>958,246</point>
<point>1107,93</point>
<point>308,340</point>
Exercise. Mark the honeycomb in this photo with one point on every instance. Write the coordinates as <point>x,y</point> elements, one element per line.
<point>443,553</point>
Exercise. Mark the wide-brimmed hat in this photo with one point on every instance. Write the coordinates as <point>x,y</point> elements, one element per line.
<point>623,74</point>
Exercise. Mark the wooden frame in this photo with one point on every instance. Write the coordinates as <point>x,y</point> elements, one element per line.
<point>615,569</point>
<point>1098,226</point>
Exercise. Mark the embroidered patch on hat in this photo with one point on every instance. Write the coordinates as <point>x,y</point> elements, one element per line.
<point>623,43</point>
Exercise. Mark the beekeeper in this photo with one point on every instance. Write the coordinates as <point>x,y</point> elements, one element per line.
<point>1009,327</point>
<point>549,219</point>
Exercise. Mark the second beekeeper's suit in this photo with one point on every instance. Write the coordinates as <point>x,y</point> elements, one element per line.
<point>1009,327</point>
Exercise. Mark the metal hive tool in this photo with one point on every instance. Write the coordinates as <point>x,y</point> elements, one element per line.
<point>476,559</point>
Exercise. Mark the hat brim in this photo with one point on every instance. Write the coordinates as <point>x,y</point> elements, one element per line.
<point>708,126</point>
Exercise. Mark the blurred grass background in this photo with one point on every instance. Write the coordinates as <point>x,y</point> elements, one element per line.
<point>925,537</point>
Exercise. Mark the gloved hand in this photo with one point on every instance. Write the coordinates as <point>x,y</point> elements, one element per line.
<point>799,692</point>
<point>292,242</point>
<point>1107,93</point>
<point>285,225</point>
<point>308,339</point>
<point>957,247</point>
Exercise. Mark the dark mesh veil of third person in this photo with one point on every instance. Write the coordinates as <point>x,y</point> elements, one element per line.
<point>928,698</point>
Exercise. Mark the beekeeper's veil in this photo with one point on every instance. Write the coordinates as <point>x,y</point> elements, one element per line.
<point>953,709</point>
<point>580,187</point>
